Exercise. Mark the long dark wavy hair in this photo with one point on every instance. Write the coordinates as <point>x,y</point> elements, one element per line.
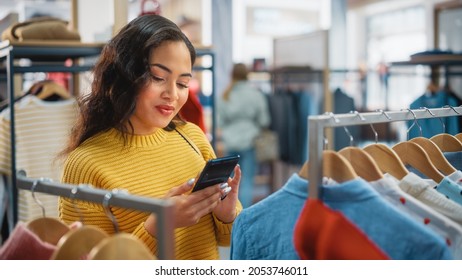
<point>120,73</point>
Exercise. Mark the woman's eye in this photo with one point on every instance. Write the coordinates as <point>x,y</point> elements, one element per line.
<point>183,85</point>
<point>156,78</point>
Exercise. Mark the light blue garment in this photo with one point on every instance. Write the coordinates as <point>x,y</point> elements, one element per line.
<point>432,126</point>
<point>455,159</point>
<point>265,230</point>
<point>450,189</point>
<point>395,233</point>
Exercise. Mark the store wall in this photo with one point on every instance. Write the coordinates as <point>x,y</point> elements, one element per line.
<point>257,22</point>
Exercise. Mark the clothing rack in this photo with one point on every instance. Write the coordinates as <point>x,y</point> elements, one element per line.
<point>316,125</point>
<point>45,57</point>
<point>163,208</point>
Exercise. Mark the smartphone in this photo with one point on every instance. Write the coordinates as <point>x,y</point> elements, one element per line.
<point>216,171</point>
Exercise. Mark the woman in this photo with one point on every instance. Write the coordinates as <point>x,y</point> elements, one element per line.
<point>242,112</point>
<point>129,136</point>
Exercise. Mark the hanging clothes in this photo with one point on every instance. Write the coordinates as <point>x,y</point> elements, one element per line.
<point>450,189</point>
<point>420,189</point>
<point>289,112</point>
<point>6,210</point>
<point>255,237</point>
<point>42,129</point>
<point>192,110</point>
<point>316,236</point>
<point>454,158</point>
<point>343,103</point>
<point>283,122</point>
<point>361,204</point>
<point>23,244</point>
<point>450,231</point>
<point>433,126</point>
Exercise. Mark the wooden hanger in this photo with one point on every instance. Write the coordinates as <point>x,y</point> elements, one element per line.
<point>118,246</point>
<point>334,166</point>
<point>121,246</point>
<point>77,243</point>
<point>48,229</point>
<point>459,136</point>
<point>387,160</point>
<point>435,154</point>
<point>414,155</point>
<point>447,142</point>
<point>46,89</point>
<point>362,163</point>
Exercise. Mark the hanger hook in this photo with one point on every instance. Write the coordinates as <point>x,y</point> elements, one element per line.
<point>332,115</point>
<point>74,192</point>
<point>34,186</point>
<point>325,140</point>
<point>384,113</point>
<point>32,189</point>
<point>358,114</point>
<point>376,135</point>
<point>413,123</point>
<point>107,210</point>
<point>336,120</point>
<point>433,115</point>
<point>452,107</point>
<point>348,132</point>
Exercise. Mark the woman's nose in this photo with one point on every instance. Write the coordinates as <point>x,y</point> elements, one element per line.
<point>172,91</point>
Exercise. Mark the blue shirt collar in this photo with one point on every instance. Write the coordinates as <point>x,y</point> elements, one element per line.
<point>353,190</point>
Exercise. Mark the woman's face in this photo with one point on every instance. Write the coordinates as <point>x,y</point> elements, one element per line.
<point>167,91</point>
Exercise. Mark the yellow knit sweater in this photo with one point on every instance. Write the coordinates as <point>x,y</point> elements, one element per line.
<point>148,166</point>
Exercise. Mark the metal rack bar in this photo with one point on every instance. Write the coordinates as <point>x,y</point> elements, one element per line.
<point>163,208</point>
<point>317,124</point>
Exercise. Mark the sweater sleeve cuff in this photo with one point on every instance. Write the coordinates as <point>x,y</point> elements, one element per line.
<point>225,228</point>
<point>146,238</point>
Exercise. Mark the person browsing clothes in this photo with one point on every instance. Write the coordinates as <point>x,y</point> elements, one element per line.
<point>242,113</point>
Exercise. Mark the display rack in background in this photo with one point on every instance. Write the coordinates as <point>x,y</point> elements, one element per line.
<point>49,56</point>
<point>444,61</point>
<point>443,67</point>
<point>208,66</point>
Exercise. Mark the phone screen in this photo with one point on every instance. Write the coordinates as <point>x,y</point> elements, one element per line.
<point>216,171</point>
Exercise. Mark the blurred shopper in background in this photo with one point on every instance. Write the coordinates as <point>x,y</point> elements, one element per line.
<point>242,112</point>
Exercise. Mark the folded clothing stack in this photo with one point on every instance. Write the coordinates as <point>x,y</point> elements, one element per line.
<point>40,28</point>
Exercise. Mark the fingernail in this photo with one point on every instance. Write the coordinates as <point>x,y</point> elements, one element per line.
<point>225,193</point>
<point>227,190</point>
<point>191,181</point>
<point>223,185</point>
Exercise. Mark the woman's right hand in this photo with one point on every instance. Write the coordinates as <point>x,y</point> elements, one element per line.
<point>189,207</point>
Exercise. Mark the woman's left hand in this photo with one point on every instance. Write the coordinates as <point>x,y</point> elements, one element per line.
<point>226,208</point>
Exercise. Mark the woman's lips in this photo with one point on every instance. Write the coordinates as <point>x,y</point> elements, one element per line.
<point>165,109</point>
